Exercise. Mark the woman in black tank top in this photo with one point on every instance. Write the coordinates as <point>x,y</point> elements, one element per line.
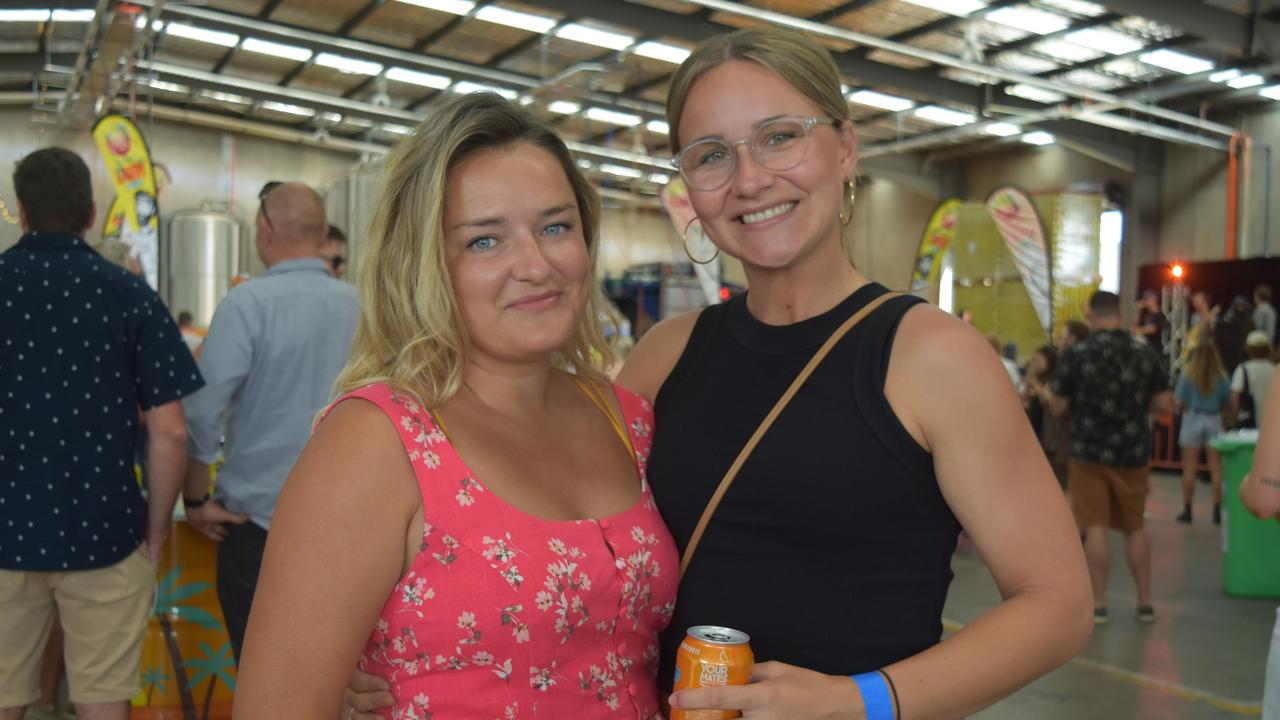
<point>832,548</point>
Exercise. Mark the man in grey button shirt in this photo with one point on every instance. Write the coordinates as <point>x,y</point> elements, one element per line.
<point>274,348</point>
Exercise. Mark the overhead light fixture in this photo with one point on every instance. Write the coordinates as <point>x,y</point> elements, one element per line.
<point>1064,52</point>
<point>943,116</point>
<point>578,32</point>
<point>24,15</point>
<point>658,126</point>
<point>662,51</point>
<point>613,117</point>
<point>141,22</point>
<point>564,107</point>
<point>266,47</point>
<point>1029,19</point>
<point>348,65</point>
<point>73,15</point>
<point>1105,40</point>
<point>880,100</point>
<point>287,109</point>
<point>659,178</point>
<point>1246,81</point>
<point>168,87</point>
<point>1225,75</point>
<point>1176,61</point>
<point>959,8</point>
<point>212,37</point>
<point>1038,137</point>
<point>397,129</point>
<point>464,87</point>
<point>1002,129</point>
<point>1033,92</point>
<point>413,77</point>
<point>1272,93</point>
<point>512,18</point>
<point>454,7</point>
<point>223,97</point>
<point>620,170</point>
<point>358,122</point>
<point>330,118</point>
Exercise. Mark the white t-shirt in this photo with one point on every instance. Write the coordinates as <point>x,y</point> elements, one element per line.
<point>1260,372</point>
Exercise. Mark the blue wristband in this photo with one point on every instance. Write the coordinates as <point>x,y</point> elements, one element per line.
<point>875,695</point>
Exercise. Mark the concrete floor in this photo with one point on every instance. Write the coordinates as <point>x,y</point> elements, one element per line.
<point>1203,659</point>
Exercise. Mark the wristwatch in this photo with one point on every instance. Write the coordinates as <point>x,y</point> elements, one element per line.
<point>192,503</point>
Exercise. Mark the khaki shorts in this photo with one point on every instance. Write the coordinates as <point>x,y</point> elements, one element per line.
<point>1105,496</point>
<point>104,617</point>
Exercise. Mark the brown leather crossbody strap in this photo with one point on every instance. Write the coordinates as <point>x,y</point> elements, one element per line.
<point>729,476</point>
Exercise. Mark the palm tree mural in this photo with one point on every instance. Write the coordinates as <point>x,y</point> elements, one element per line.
<point>213,665</point>
<point>153,678</point>
<point>169,596</point>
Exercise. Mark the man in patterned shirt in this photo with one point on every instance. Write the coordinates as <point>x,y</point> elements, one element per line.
<point>1111,383</point>
<point>83,346</point>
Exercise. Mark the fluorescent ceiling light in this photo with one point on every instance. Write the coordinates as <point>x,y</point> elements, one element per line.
<point>1105,40</point>
<point>1076,7</point>
<point>1029,19</point>
<point>943,116</point>
<point>875,99</point>
<point>72,15</point>
<point>24,15</point>
<point>659,178</point>
<point>169,87</point>
<point>1033,92</point>
<point>658,126</point>
<point>1225,75</point>
<point>662,51</point>
<point>463,87</point>
<point>959,8</point>
<point>287,108</point>
<point>141,22</point>
<point>564,107</point>
<point>613,117</point>
<point>1176,61</point>
<point>620,170</point>
<point>1246,81</point>
<point>266,47</point>
<point>397,129</point>
<point>358,122</point>
<point>413,77</point>
<point>330,117</point>
<point>594,36</point>
<point>1038,137</point>
<point>348,65</point>
<point>455,7</point>
<point>225,97</point>
<point>512,18</point>
<point>1002,129</point>
<point>1064,52</point>
<point>213,37</point>
<point>1272,92</point>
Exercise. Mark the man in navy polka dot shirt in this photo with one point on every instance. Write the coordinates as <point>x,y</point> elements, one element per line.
<point>83,346</point>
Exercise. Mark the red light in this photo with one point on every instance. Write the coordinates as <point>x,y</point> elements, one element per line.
<point>1176,271</point>
<point>724,294</point>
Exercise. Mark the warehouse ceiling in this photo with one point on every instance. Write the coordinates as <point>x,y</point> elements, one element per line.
<point>921,75</point>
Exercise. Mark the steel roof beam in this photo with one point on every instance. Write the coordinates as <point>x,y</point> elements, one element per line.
<point>1222,28</point>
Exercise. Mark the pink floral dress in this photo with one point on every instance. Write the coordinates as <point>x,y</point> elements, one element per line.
<point>503,615</point>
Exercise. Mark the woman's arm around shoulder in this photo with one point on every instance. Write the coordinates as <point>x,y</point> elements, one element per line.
<point>335,552</point>
<point>951,392</point>
<point>1260,490</point>
<point>656,355</point>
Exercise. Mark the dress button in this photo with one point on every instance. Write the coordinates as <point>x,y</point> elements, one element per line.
<point>604,524</point>
<point>632,689</point>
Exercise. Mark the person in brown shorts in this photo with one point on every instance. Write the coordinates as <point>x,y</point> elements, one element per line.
<point>1111,383</point>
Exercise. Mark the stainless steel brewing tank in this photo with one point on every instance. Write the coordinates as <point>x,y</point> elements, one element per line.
<point>200,253</point>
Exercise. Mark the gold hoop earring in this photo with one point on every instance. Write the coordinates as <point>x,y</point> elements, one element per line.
<point>846,209</point>
<point>684,238</point>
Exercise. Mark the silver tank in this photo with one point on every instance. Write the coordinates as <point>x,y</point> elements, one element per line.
<point>199,255</point>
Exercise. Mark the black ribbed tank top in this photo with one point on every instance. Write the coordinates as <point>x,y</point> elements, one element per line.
<point>832,549</point>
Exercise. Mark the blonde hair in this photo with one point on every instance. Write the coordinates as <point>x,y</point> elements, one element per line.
<point>411,334</point>
<point>1204,367</point>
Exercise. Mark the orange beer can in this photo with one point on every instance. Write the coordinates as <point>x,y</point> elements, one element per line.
<point>711,656</point>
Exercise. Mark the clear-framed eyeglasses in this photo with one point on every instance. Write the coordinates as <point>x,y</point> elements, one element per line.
<point>778,144</point>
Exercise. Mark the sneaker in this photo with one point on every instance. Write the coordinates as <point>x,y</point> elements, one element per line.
<point>1217,514</point>
<point>1099,616</point>
<point>1146,614</point>
<point>1185,516</point>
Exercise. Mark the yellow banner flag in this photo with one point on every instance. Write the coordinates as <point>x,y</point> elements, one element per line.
<point>938,235</point>
<point>134,210</point>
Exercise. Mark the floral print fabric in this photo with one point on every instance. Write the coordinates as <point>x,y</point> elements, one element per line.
<point>506,616</point>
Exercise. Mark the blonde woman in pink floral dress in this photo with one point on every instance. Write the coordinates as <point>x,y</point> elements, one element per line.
<point>471,521</point>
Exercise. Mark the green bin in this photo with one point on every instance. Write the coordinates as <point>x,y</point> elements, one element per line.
<point>1250,547</point>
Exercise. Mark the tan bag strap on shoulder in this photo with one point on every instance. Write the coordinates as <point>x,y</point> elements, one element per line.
<point>729,476</point>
